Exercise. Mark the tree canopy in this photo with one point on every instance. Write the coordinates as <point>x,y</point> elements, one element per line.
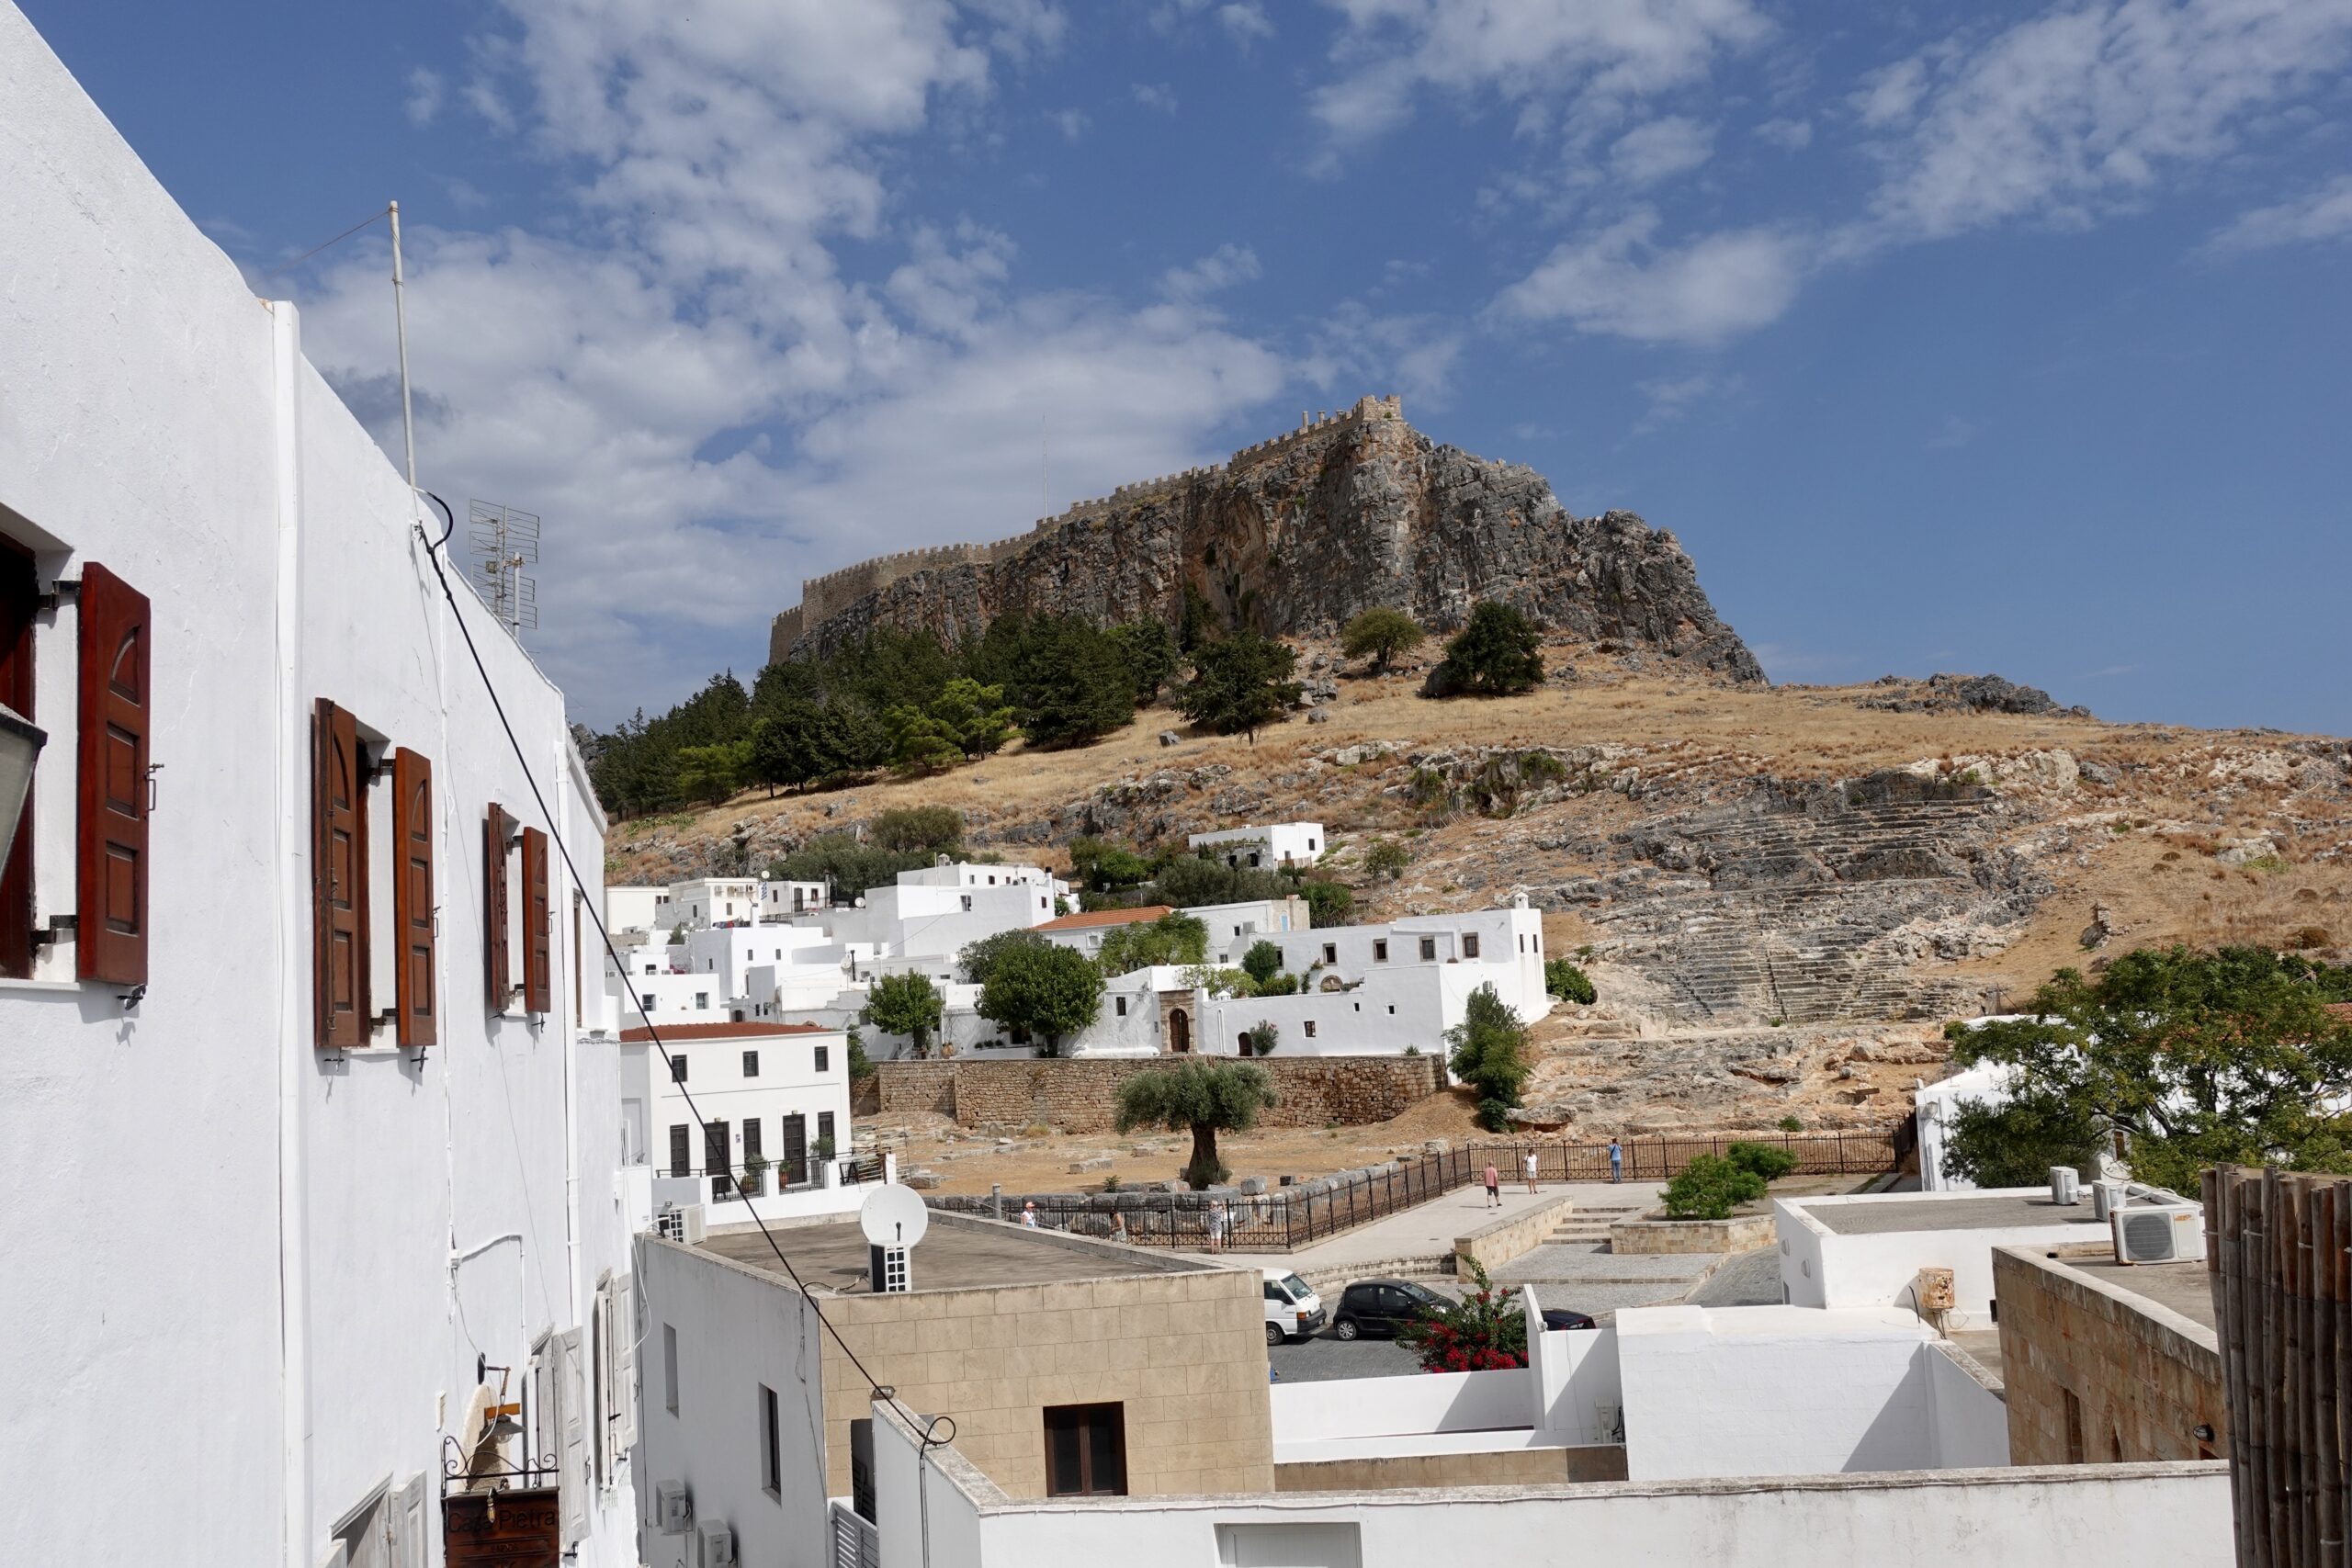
<point>1499,653</point>
<point>2194,1058</point>
<point>1201,1096</point>
<point>1380,633</point>
<point>1042,989</point>
<point>1174,938</point>
<point>978,960</point>
<point>1489,1049</point>
<point>904,1004</point>
<point>1239,684</point>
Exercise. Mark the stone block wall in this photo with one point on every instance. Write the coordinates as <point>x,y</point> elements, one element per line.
<point>1081,1096</point>
<point>1183,1354</point>
<point>2142,1381</point>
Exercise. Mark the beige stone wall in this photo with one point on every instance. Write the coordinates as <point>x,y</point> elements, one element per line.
<point>1741,1232</point>
<point>1513,1467</point>
<point>2144,1385</point>
<point>1185,1354</point>
<point>1499,1242</point>
<point>1079,1096</point>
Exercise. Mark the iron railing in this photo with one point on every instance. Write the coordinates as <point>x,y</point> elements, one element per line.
<point>1285,1219</point>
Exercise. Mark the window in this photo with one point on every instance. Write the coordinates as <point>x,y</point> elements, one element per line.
<point>1330,952</point>
<point>1121,1003</point>
<point>825,1126</point>
<point>824,1058</point>
<point>770,1446</point>
<point>1253,857</point>
<point>1086,1450</point>
<point>750,1064</point>
<point>651,1000</point>
<point>1428,949</point>
<point>861,1468</point>
<point>967,903</point>
<point>2074,1426</point>
<point>702,999</point>
<point>1310,1029</point>
<point>1310,846</point>
<point>1379,951</point>
<point>1392,1010</point>
<point>497,831</point>
<point>678,1069</point>
<point>679,1164</point>
<point>538,926</point>
<point>19,599</point>
<point>670,1369</point>
<point>1469,944</point>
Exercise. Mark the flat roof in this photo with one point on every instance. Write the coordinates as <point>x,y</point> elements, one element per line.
<point>1990,1212</point>
<point>2186,1288</point>
<point>953,1257</point>
<point>681,1031</point>
<point>1088,918</point>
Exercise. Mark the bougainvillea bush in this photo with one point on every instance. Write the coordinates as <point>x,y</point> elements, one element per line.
<point>1485,1331</point>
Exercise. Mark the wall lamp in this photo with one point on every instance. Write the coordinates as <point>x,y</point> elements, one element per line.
<point>21,744</point>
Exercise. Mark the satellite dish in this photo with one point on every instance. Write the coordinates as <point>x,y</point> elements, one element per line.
<point>893,1215</point>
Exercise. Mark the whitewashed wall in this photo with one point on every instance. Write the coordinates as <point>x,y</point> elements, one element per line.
<point>2064,1517</point>
<point>250,1239</point>
<point>1822,1268</point>
<point>1577,1389</point>
<point>1972,1422</point>
<point>1310,1415</point>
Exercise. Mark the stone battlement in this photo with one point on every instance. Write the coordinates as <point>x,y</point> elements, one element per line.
<point>822,598</point>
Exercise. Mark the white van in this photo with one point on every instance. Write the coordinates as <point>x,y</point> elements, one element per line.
<point>1292,1310</point>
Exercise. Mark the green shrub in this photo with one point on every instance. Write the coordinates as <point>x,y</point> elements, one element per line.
<point>1766,1162</point>
<point>1499,653</point>
<point>1263,962</point>
<point>1567,982</point>
<point>1381,633</point>
<point>1388,858</point>
<point>1710,1187</point>
<point>1790,1125</point>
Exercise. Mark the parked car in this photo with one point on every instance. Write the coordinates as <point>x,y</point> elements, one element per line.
<point>1292,1309</point>
<point>1561,1317</point>
<point>1378,1308</point>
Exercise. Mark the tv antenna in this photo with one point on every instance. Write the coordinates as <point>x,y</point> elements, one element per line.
<point>505,540</point>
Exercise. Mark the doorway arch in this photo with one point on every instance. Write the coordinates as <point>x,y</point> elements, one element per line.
<point>1180,1031</point>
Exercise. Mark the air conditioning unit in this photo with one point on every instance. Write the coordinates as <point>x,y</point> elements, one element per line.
<point>2065,1184</point>
<point>692,1227</point>
<point>2159,1233</point>
<point>2106,1197</point>
<point>717,1547</point>
<point>673,1507</point>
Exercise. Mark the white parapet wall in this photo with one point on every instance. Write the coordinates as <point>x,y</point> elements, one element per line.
<point>936,1511</point>
<point>1359,1417</point>
<point>1822,1266</point>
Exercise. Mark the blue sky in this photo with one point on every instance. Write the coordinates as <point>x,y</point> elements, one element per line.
<point>1944,336</point>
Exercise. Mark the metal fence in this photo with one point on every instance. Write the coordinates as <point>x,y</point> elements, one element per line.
<point>1285,1219</point>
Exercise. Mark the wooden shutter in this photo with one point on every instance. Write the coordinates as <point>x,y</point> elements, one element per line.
<point>494,830</point>
<point>538,926</point>
<point>415,987</point>
<point>338,880</point>
<point>572,1435</point>
<point>110,827</point>
<point>625,1348</point>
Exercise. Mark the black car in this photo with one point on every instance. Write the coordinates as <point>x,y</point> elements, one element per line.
<point>1561,1317</point>
<point>1378,1308</point>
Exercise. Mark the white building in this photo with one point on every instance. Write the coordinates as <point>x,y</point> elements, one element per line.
<point>300,1123</point>
<point>637,909</point>
<point>790,900</point>
<point>1266,848</point>
<point>1084,932</point>
<point>934,912</point>
<point>776,1093</point>
<point>1234,929</point>
<point>712,901</point>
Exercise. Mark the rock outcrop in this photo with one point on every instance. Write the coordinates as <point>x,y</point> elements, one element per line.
<point>1293,536</point>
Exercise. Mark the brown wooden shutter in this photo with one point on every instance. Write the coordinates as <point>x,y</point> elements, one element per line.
<point>538,926</point>
<point>111,825</point>
<point>415,984</point>
<point>494,830</point>
<point>339,880</point>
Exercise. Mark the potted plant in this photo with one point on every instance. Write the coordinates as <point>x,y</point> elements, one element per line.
<point>754,1182</point>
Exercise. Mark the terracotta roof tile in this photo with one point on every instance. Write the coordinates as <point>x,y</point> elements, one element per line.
<point>1092,917</point>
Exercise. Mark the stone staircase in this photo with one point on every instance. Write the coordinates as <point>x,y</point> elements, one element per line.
<point>1779,909</point>
<point>1589,1226</point>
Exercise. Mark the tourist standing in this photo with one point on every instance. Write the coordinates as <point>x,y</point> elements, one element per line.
<point>1616,1162</point>
<point>1531,1170</point>
<point>1493,1186</point>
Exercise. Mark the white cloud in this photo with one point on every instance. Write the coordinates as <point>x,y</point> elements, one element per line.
<point>1157,97</point>
<point>1246,22</point>
<point>1672,398</point>
<point>1356,352</point>
<point>1789,135</point>
<point>1715,287</point>
<point>1072,123</point>
<point>2314,217</point>
<point>1611,51</point>
<point>425,93</point>
<point>2085,109</point>
<point>701,403</point>
<point>1663,148</point>
<point>1952,434</point>
<point>1221,269</point>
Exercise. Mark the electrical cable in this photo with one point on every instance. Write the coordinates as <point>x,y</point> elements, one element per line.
<point>314,250</point>
<point>653,1033</point>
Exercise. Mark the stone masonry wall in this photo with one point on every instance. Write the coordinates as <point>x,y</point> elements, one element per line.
<point>2144,1383</point>
<point>1079,1096</point>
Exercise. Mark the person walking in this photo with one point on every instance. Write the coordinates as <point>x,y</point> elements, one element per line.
<point>1493,1186</point>
<point>1531,1170</point>
<point>1616,1162</point>
<point>1216,1226</point>
<point>1029,1215</point>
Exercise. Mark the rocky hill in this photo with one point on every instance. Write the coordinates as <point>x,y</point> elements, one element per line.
<point>1292,536</point>
<point>1784,892</point>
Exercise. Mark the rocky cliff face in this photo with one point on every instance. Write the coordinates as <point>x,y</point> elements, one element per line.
<point>1296,535</point>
